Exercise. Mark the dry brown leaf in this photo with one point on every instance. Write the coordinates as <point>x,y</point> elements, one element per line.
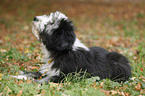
<point>20,82</point>
<point>101,85</point>
<point>138,87</point>
<point>64,94</point>
<point>33,67</point>
<point>20,92</point>
<point>106,92</point>
<point>113,92</point>
<point>1,93</point>
<point>53,84</point>
<point>43,92</point>
<point>133,78</point>
<point>28,81</point>
<point>122,93</point>
<point>1,76</point>
<point>127,94</point>
<point>142,91</point>
<point>6,91</point>
<point>141,69</point>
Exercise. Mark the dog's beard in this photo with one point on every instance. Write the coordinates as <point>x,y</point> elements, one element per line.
<point>37,28</point>
<point>35,32</point>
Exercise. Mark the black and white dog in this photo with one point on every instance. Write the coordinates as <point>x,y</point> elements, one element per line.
<point>67,54</point>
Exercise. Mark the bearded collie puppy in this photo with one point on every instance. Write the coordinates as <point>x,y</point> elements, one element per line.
<point>65,54</point>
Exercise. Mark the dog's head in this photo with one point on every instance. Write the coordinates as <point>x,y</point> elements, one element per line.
<point>55,31</point>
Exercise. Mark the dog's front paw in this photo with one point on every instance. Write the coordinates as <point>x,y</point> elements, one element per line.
<point>21,77</point>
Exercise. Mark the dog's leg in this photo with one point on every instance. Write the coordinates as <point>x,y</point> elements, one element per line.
<point>28,75</point>
<point>45,72</point>
<point>45,79</point>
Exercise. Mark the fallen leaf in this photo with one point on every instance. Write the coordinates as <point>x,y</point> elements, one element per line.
<point>53,84</point>
<point>133,78</point>
<point>141,69</point>
<point>1,93</point>
<point>43,92</point>
<point>28,81</point>
<point>106,92</point>
<point>20,92</point>
<point>3,50</point>
<point>138,87</point>
<point>6,91</point>
<point>142,91</point>
<point>122,93</point>
<point>127,94</point>
<point>20,82</point>
<point>34,67</point>
<point>27,51</point>
<point>1,41</point>
<point>113,92</point>
<point>1,76</point>
<point>101,85</point>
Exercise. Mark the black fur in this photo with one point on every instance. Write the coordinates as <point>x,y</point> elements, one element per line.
<point>61,38</point>
<point>97,61</point>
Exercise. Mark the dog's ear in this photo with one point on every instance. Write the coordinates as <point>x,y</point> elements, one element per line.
<point>63,37</point>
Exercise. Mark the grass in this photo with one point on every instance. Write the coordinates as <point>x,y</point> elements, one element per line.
<point>19,49</point>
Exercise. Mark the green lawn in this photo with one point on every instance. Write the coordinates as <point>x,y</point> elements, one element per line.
<point>117,26</point>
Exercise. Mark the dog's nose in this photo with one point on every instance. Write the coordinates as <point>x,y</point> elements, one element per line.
<point>35,19</point>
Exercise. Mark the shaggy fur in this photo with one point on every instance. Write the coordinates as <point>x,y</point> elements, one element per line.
<point>68,54</point>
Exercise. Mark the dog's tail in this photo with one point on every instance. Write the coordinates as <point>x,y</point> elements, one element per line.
<point>120,66</point>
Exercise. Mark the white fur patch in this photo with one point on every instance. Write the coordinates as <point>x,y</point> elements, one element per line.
<point>57,16</point>
<point>21,77</point>
<point>45,54</point>
<point>46,68</point>
<point>49,74</point>
<point>78,44</point>
<point>35,32</point>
